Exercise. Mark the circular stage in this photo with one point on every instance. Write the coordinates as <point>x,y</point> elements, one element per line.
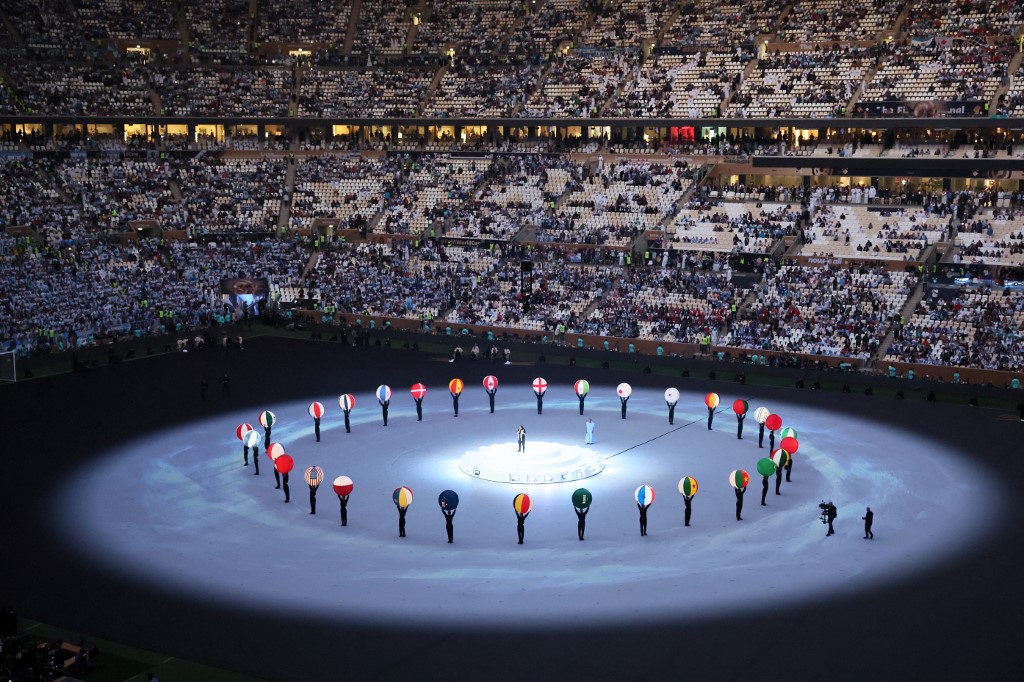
<point>178,509</point>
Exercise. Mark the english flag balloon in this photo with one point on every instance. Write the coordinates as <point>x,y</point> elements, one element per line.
<point>490,383</point>
<point>418,391</point>
<point>242,430</point>
<point>347,401</point>
<point>540,385</point>
<point>343,485</point>
<point>316,410</point>
<point>582,387</point>
<point>624,390</point>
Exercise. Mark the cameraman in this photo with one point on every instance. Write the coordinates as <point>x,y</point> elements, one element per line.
<point>830,514</point>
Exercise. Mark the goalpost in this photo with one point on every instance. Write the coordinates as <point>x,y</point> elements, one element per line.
<point>8,365</point>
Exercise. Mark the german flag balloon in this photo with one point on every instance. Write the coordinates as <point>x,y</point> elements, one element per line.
<point>314,476</point>
<point>740,406</point>
<point>251,439</point>
<point>268,419</point>
<point>540,385</point>
<point>790,445</point>
<point>765,466</point>
<point>688,486</point>
<point>582,387</point>
<point>490,383</point>
<point>522,503</point>
<point>347,401</point>
<point>242,430</point>
<point>418,391</point>
<point>316,410</point>
<point>773,422</point>
<point>456,386</point>
<point>739,479</point>
<point>788,432</point>
<point>284,463</point>
<point>780,457</point>
<point>402,497</point>
<point>712,400</point>
<point>644,495</point>
<point>275,450</point>
<point>343,485</point>
<point>761,415</point>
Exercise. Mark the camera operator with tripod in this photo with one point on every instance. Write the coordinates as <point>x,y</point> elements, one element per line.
<point>828,515</point>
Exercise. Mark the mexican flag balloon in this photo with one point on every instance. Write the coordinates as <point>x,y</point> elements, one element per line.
<point>740,406</point>
<point>402,497</point>
<point>275,450</point>
<point>456,386</point>
<point>284,463</point>
<point>242,430</point>
<point>780,457</point>
<point>788,432</point>
<point>418,391</point>
<point>347,401</point>
<point>314,476</point>
<point>765,466</point>
<point>688,486</point>
<point>712,400</point>
<point>448,499</point>
<point>761,415</point>
<point>644,495</point>
<point>582,387</point>
<point>773,422</point>
<point>490,383</point>
<point>581,498</point>
<point>316,410</point>
<point>268,419</point>
<point>739,479</point>
<point>343,485</point>
<point>522,503</point>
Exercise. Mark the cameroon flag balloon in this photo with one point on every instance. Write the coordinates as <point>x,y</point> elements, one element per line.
<point>316,410</point>
<point>765,466</point>
<point>284,463</point>
<point>581,498</point>
<point>780,457</point>
<point>773,422</point>
<point>644,495</point>
<point>790,445</point>
<point>242,430</point>
<point>402,497</point>
<point>314,476</point>
<point>343,485</point>
<point>582,387</point>
<point>712,400</point>
<point>688,486</point>
<point>522,503</point>
<point>347,401</point>
<point>456,386</point>
<point>490,383</point>
<point>268,419</point>
<point>739,479</point>
<point>275,450</point>
<point>251,439</point>
<point>761,415</point>
<point>418,391</point>
<point>383,393</point>
<point>788,432</point>
<point>740,406</point>
<point>448,499</point>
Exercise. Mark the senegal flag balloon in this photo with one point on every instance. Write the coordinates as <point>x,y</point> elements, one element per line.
<point>688,486</point>
<point>581,498</point>
<point>402,497</point>
<point>739,479</point>
<point>765,466</point>
<point>522,503</point>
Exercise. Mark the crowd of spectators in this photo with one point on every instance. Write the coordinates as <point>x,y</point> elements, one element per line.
<point>363,92</point>
<point>224,91</point>
<point>43,88</point>
<point>836,20</point>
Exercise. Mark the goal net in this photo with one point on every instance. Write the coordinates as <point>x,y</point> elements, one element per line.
<point>8,366</point>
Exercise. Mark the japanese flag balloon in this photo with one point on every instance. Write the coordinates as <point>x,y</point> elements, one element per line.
<point>687,486</point>
<point>242,430</point>
<point>456,386</point>
<point>490,383</point>
<point>780,457</point>
<point>765,466</point>
<point>581,498</point>
<point>251,439</point>
<point>671,396</point>
<point>788,432</point>
<point>347,401</point>
<point>383,393</point>
<point>275,450</point>
<point>418,391</point>
<point>712,400</point>
<point>540,385</point>
<point>449,499</point>
<point>739,479</point>
<point>582,387</point>
<point>343,485</point>
<point>316,410</point>
<point>773,422</point>
<point>402,497</point>
<point>314,476</point>
<point>522,503</point>
<point>790,445</point>
<point>740,406</point>
<point>284,463</point>
<point>624,390</point>
<point>268,419</point>
<point>644,495</point>
<point>761,415</point>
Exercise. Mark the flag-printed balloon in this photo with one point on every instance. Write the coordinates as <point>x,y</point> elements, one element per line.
<point>788,432</point>
<point>456,386</point>
<point>418,391</point>
<point>347,401</point>
<point>761,415</point>
<point>383,393</point>
<point>773,422</point>
<point>581,498</point>
<point>402,497</point>
<point>688,486</point>
<point>314,476</point>
<point>284,463</point>
<point>490,383</point>
<point>624,390</point>
<point>582,387</point>
<point>739,479</point>
<point>644,495</point>
<point>790,445</point>
<point>765,466</point>
<point>740,406</point>
<point>268,419</point>
<point>316,410</point>
<point>540,384</point>
<point>251,439</point>
<point>242,430</point>
<point>712,400</point>
<point>671,396</point>
<point>275,450</point>
<point>343,485</point>
<point>522,503</point>
<point>780,457</point>
<point>449,499</point>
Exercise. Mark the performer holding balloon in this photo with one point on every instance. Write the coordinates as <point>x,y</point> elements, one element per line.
<point>449,501</point>
<point>384,398</point>
<point>267,419</point>
<point>581,499</point>
<point>343,488</point>
<point>455,387</point>
<point>739,479</point>
<point>314,477</point>
<point>273,452</point>
<point>766,468</point>
<point>740,408</point>
<point>347,402</point>
<point>687,488</point>
<point>284,464</point>
<point>402,497</point>
<point>241,432</point>
<point>491,387</point>
<point>582,388</point>
<point>671,398</point>
<point>251,439</point>
<point>540,386</point>
<point>773,422</point>
<point>790,444</point>
<point>418,391</point>
<point>760,415</point>
<point>783,457</point>
<point>711,400</point>
<point>624,390</point>
<point>522,504</point>
<point>644,495</point>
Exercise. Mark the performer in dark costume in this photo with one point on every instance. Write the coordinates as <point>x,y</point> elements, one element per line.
<point>343,500</point>
<point>448,525</point>
<point>312,498</point>
<point>711,416</point>
<point>520,525</point>
<point>401,521</point>
<point>581,520</point>
<point>256,460</point>
<point>831,513</point>
<point>671,412</point>
<point>739,424</point>
<point>760,435</point>
<point>419,409</point>
<point>623,400</point>
<point>521,438</point>
<point>771,441</point>
<point>316,428</point>
<point>277,479</point>
<point>687,499</point>
<point>869,518</point>
<point>266,437</point>
<point>245,454</point>
<point>739,503</point>
<point>764,490</point>
<point>643,518</point>
<point>540,402</point>
<point>384,409</point>
<point>455,402</point>
<point>348,426</point>
<point>287,491</point>
<point>583,398</point>
<point>789,468</point>
<point>778,479</point>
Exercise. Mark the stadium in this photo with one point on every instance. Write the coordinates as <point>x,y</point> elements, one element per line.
<point>214,211</point>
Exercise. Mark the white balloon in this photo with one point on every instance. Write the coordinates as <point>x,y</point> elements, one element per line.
<point>624,390</point>
<point>672,396</point>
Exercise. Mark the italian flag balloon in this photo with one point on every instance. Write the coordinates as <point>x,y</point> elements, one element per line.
<point>268,419</point>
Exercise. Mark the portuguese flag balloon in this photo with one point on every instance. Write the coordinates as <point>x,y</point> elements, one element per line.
<point>522,503</point>
<point>343,485</point>
<point>739,479</point>
<point>788,432</point>
<point>761,415</point>
<point>581,498</point>
<point>449,499</point>
<point>316,410</point>
<point>347,401</point>
<point>790,444</point>
<point>284,463</point>
<point>402,497</point>
<point>780,457</point>
<point>740,406</point>
<point>644,495</point>
<point>773,422</point>
<point>456,386</point>
<point>242,430</point>
<point>765,466</point>
<point>688,486</point>
<point>275,450</point>
<point>712,400</point>
<point>582,387</point>
<point>418,391</point>
<point>268,419</point>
